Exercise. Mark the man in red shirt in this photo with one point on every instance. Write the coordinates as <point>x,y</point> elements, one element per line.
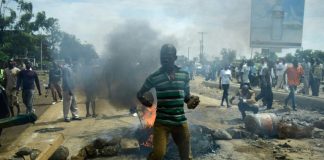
<point>293,75</point>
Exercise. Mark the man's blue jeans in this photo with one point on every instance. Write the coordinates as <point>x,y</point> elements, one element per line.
<point>27,96</point>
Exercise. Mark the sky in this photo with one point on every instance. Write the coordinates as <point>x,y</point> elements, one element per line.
<point>225,23</point>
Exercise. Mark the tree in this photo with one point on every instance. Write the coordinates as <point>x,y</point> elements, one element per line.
<point>20,36</point>
<point>289,58</point>
<point>71,47</point>
<point>228,56</point>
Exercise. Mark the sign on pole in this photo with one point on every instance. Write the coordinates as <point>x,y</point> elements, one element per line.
<point>277,23</point>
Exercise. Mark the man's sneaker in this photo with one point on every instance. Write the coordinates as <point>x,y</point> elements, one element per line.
<point>88,115</point>
<point>294,109</point>
<point>61,100</point>
<point>67,120</point>
<point>53,102</point>
<point>76,119</point>
<point>134,114</point>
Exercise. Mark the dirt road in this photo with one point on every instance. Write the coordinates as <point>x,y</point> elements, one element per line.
<point>113,122</point>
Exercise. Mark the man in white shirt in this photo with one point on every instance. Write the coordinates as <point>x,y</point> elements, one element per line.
<point>245,75</point>
<point>224,83</point>
<point>280,69</point>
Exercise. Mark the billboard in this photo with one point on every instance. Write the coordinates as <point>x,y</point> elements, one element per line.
<point>277,23</point>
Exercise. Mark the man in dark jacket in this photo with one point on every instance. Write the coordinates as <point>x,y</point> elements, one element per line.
<point>27,78</point>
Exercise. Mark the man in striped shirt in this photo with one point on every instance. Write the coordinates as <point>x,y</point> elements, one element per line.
<point>172,91</point>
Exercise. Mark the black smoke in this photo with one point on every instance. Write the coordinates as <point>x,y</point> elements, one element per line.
<point>132,54</point>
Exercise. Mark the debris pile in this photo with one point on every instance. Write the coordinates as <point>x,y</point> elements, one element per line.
<point>27,153</point>
<point>270,125</point>
<point>99,148</point>
<point>61,153</point>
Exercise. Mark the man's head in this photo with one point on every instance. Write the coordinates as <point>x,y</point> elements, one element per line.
<point>28,64</point>
<point>11,63</point>
<point>168,56</point>
<point>295,63</point>
<point>245,89</point>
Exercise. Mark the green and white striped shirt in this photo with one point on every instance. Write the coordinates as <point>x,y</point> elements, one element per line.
<point>170,95</point>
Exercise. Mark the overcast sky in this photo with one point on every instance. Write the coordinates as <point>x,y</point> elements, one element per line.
<point>226,22</point>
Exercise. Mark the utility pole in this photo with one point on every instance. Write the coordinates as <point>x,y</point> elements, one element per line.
<point>188,54</point>
<point>202,44</point>
<point>41,54</point>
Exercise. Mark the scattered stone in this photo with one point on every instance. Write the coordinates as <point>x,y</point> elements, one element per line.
<point>77,158</point>
<point>109,151</point>
<point>114,141</point>
<point>237,133</point>
<point>62,153</point>
<point>318,133</point>
<point>293,130</point>
<point>91,152</point>
<point>221,134</point>
<point>100,143</point>
<point>34,154</point>
<point>127,144</point>
<point>82,153</point>
<point>319,124</point>
<point>25,151</point>
<point>281,157</point>
<point>285,145</point>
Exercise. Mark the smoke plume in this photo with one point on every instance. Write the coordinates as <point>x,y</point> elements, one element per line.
<point>132,54</point>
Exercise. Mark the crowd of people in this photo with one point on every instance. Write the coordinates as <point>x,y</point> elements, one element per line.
<point>295,77</point>
<point>61,83</point>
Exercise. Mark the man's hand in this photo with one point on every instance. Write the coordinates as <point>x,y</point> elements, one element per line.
<point>193,102</point>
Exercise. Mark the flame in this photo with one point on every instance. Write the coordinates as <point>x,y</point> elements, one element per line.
<point>149,115</point>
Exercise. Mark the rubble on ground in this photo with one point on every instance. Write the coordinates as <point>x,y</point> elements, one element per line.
<point>26,153</point>
<point>61,153</point>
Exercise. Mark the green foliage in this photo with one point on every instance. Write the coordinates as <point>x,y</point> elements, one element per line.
<point>24,35</point>
<point>71,47</point>
<point>228,56</point>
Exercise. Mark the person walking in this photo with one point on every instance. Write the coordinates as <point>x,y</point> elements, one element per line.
<point>55,76</point>
<point>224,83</point>
<point>245,74</point>
<point>293,76</point>
<point>69,99</point>
<point>316,77</point>
<point>28,78</point>
<point>10,80</point>
<point>172,91</point>
<point>280,69</point>
<point>266,93</point>
<point>307,71</point>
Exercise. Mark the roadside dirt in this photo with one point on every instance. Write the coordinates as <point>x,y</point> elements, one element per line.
<point>112,122</point>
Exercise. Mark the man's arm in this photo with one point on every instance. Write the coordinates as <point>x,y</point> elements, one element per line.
<point>187,90</point>
<point>148,84</point>
<point>252,99</point>
<point>37,84</point>
<point>19,80</point>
